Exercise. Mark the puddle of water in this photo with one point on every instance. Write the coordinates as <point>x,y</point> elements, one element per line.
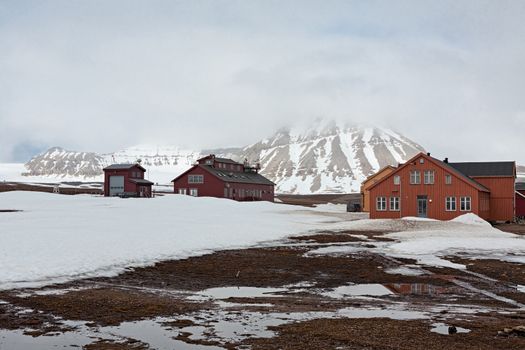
<point>16,340</point>
<point>236,292</point>
<point>405,271</point>
<point>416,289</point>
<point>372,289</point>
<point>442,328</point>
<point>392,313</point>
<point>153,334</point>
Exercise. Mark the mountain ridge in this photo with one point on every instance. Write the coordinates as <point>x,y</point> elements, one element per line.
<point>325,157</point>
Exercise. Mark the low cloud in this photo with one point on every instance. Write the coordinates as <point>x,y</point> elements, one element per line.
<point>100,76</point>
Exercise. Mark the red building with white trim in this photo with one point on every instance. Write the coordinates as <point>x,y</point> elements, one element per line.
<point>224,178</point>
<point>427,187</point>
<point>126,180</point>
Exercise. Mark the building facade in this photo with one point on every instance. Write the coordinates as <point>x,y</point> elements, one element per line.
<point>427,187</point>
<point>520,200</point>
<point>371,180</point>
<point>126,180</point>
<point>224,178</point>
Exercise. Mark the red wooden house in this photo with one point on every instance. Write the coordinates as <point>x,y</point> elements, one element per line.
<point>126,180</point>
<point>427,187</point>
<point>520,200</point>
<point>224,178</point>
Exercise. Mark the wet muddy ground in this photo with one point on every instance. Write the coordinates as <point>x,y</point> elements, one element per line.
<point>283,295</point>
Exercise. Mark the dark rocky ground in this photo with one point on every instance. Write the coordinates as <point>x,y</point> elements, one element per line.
<point>169,289</point>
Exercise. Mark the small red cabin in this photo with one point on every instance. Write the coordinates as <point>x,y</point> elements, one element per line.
<point>224,178</point>
<point>427,187</point>
<point>126,180</point>
<point>520,200</point>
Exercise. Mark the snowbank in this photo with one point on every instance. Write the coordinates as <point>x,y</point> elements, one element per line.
<point>57,237</point>
<point>471,219</point>
<point>339,208</point>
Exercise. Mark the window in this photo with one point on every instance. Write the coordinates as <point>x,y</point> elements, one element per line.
<point>464,204</point>
<point>182,191</point>
<point>450,204</point>
<point>415,177</point>
<point>448,179</point>
<point>209,161</point>
<point>194,192</point>
<point>225,192</point>
<point>397,179</point>
<point>421,161</point>
<point>196,179</point>
<point>429,177</point>
<point>394,203</point>
<point>381,203</point>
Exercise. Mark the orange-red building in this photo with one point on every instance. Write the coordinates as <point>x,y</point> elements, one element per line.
<point>427,187</point>
<point>371,180</point>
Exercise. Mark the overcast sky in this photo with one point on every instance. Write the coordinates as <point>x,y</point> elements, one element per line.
<point>103,75</point>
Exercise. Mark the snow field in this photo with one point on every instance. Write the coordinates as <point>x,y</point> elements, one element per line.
<point>58,237</point>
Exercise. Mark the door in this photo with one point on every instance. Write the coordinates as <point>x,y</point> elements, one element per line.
<point>116,185</point>
<point>422,206</point>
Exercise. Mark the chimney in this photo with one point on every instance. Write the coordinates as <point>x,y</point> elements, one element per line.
<point>428,154</point>
<point>445,160</point>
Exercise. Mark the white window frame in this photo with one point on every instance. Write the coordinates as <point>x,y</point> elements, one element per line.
<point>448,179</point>
<point>183,191</point>
<point>428,177</point>
<point>194,192</point>
<point>195,179</point>
<point>394,204</point>
<point>463,204</point>
<point>397,180</point>
<point>451,204</point>
<point>381,203</point>
<point>415,177</point>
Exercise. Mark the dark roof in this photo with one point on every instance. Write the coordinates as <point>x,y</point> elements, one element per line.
<point>141,181</point>
<point>462,175</point>
<point>226,160</point>
<point>123,166</point>
<point>237,176</point>
<point>520,186</point>
<point>221,160</point>
<point>485,168</point>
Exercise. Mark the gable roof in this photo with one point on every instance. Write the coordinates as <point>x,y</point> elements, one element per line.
<point>234,177</point>
<point>486,168</point>
<point>458,173</point>
<point>438,162</point>
<point>379,172</point>
<point>123,167</point>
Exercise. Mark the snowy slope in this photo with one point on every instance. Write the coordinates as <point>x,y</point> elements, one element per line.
<point>59,237</point>
<point>329,157</point>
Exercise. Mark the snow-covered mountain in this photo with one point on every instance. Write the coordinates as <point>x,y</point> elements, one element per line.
<point>57,161</point>
<point>328,158</point>
<point>162,162</point>
<point>319,158</point>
